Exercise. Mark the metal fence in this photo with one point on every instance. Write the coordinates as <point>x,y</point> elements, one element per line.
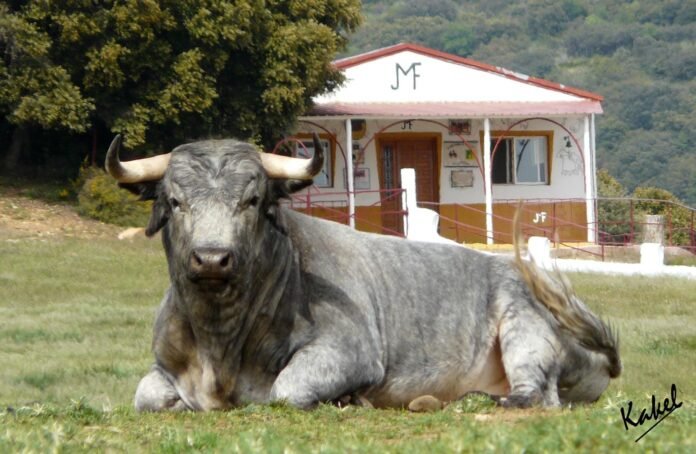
<point>619,221</point>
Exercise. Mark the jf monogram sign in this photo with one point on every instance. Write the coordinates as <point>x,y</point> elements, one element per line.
<point>410,70</point>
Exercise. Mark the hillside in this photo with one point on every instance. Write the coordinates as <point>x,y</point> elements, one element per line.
<point>640,55</point>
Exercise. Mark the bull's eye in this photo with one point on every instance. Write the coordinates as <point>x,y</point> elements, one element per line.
<point>174,204</point>
<point>253,201</point>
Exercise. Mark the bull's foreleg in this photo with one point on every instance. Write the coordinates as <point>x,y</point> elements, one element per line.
<point>324,372</point>
<point>156,393</point>
<point>530,357</point>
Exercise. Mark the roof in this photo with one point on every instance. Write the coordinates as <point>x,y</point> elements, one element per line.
<point>407,80</point>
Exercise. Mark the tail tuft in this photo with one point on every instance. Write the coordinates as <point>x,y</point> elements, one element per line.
<point>555,292</point>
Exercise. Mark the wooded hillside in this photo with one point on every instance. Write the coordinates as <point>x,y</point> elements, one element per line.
<point>640,55</point>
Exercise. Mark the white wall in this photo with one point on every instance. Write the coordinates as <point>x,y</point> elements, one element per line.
<point>567,180</point>
<point>376,81</point>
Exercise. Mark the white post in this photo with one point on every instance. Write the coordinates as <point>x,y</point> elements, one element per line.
<point>589,182</point>
<point>593,155</point>
<point>488,188</point>
<point>349,173</point>
<point>408,198</point>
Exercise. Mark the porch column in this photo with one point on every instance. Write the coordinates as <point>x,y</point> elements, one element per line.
<point>487,179</point>
<point>589,181</point>
<point>349,173</point>
<point>593,155</point>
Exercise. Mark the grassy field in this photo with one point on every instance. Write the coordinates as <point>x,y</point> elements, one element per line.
<point>75,328</point>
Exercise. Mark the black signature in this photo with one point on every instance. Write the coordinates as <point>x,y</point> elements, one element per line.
<point>656,413</point>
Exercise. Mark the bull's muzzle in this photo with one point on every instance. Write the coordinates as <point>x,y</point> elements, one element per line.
<point>210,264</point>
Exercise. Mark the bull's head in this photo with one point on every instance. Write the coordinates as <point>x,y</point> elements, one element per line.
<point>217,201</point>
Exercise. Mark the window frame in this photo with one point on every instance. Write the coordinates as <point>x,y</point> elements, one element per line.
<point>513,135</point>
<point>329,155</point>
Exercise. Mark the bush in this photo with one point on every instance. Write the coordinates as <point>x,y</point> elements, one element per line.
<point>613,214</point>
<point>100,198</point>
<point>678,219</point>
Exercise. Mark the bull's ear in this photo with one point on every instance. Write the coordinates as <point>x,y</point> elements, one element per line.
<point>159,216</point>
<point>283,188</point>
<point>145,191</point>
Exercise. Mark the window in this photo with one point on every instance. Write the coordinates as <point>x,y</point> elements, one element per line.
<point>324,178</point>
<point>521,160</point>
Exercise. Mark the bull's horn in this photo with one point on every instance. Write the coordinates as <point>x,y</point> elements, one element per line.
<point>139,170</point>
<point>278,166</point>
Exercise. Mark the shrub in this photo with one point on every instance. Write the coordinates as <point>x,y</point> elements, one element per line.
<point>678,218</point>
<point>100,198</point>
<point>613,214</point>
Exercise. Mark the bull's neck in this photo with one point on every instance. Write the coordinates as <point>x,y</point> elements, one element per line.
<point>225,325</point>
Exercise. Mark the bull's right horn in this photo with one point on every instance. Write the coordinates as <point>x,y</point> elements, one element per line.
<point>278,166</point>
<point>137,171</point>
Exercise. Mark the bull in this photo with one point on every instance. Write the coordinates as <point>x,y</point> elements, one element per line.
<point>267,304</point>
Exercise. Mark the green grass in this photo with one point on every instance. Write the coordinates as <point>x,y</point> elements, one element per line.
<point>75,327</point>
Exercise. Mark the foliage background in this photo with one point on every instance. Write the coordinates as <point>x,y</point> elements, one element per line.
<point>159,72</point>
<point>640,55</point>
<point>73,73</point>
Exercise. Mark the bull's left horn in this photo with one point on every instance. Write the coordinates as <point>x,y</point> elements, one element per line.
<point>139,170</point>
<point>278,166</point>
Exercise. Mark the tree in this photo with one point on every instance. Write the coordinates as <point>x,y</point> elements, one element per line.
<point>678,219</point>
<point>164,71</point>
<point>613,214</point>
<point>33,90</point>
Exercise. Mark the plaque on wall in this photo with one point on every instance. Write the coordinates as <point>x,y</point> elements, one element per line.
<point>361,178</point>
<point>461,127</point>
<point>459,154</point>
<point>463,178</point>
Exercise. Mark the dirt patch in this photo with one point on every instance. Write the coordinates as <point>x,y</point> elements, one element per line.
<point>23,217</point>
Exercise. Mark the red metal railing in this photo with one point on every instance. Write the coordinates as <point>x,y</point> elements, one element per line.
<point>619,221</point>
<point>334,206</point>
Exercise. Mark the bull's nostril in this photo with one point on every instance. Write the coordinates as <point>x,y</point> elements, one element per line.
<point>211,263</point>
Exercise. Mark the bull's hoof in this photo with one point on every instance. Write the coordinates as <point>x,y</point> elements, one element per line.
<point>352,399</point>
<point>519,400</point>
<point>425,403</point>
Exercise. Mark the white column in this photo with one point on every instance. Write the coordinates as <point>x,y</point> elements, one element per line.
<point>593,156</point>
<point>349,173</point>
<point>589,181</point>
<point>487,179</point>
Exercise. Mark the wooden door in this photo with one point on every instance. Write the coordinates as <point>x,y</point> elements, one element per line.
<point>418,154</point>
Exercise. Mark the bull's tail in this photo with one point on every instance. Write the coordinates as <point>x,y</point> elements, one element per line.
<point>553,290</point>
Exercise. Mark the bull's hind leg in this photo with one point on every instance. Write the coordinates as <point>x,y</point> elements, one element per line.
<point>156,393</point>
<point>530,355</point>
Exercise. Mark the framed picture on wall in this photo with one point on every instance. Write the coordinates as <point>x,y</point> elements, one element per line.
<point>361,178</point>
<point>461,127</point>
<point>462,178</point>
<point>459,154</point>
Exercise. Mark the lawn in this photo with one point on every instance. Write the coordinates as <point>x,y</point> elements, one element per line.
<point>75,328</point>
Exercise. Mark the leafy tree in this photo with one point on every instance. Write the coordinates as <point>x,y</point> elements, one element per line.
<point>33,90</point>
<point>446,9</point>
<point>608,186</point>
<point>458,40</point>
<point>613,214</point>
<point>164,71</point>
<point>678,219</point>
<point>551,16</point>
<point>426,31</point>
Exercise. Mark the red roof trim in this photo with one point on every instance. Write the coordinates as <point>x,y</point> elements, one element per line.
<point>449,109</point>
<point>385,51</point>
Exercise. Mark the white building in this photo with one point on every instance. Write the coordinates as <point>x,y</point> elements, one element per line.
<point>480,138</point>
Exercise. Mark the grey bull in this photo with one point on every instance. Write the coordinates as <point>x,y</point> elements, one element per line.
<point>267,304</point>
